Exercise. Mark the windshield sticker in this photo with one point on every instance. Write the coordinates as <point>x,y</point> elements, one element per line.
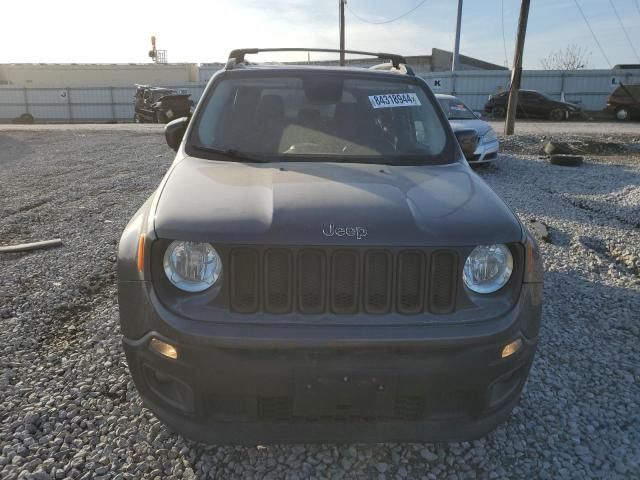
<point>390,100</point>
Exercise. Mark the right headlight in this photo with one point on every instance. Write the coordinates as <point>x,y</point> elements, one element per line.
<point>192,266</point>
<point>490,136</point>
<point>488,268</point>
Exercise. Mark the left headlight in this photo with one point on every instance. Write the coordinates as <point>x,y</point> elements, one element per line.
<point>192,266</point>
<point>490,136</point>
<point>488,268</point>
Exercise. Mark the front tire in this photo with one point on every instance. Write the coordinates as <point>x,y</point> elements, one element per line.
<point>622,114</point>
<point>557,115</point>
<point>499,112</point>
<point>161,117</point>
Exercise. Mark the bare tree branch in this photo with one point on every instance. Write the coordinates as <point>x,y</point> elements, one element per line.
<point>572,57</point>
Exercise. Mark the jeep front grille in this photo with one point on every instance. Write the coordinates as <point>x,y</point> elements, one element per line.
<point>342,281</point>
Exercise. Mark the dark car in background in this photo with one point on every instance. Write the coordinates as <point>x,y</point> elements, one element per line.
<point>533,104</point>
<point>624,102</point>
<point>321,264</point>
<point>160,105</point>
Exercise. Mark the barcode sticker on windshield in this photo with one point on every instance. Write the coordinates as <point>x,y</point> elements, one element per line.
<point>390,100</point>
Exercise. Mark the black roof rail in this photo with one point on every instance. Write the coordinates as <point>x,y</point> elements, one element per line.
<point>238,54</point>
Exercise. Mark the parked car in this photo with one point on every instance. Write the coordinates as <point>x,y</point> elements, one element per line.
<point>160,105</point>
<point>320,263</point>
<point>624,102</point>
<point>462,117</point>
<point>533,104</point>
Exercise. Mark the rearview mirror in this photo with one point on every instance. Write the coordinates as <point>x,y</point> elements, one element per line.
<point>174,131</point>
<point>468,140</point>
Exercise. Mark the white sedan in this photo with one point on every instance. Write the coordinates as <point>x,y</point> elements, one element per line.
<point>462,117</point>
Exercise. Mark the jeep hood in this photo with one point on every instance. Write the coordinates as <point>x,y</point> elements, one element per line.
<point>292,203</point>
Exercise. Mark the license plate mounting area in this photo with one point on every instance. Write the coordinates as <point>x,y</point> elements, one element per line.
<point>344,394</point>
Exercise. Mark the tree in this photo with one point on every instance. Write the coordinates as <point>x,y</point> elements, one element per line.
<point>572,57</point>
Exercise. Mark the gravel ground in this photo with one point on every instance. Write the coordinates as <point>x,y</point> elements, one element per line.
<point>68,408</point>
<point>545,127</point>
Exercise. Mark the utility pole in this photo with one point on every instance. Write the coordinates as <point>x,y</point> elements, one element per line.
<point>455,61</point>
<point>516,73</point>
<point>342,2</point>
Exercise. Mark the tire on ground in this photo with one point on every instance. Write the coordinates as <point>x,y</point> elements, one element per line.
<point>24,119</point>
<point>566,160</point>
<point>557,115</point>
<point>499,112</point>
<point>557,148</point>
<point>622,114</point>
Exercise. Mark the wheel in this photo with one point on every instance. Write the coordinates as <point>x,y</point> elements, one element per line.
<point>622,114</point>
<point>136,118</point>
<point>161,117</point>
<point>499,112</point>
<point>567,160</point>
<point>557,115</point>
<point>24,119</point>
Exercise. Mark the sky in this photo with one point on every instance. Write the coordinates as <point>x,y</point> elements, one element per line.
<point>119,31</point>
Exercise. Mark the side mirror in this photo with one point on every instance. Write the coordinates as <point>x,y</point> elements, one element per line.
<point>468,140</point>
<point>174,131</point>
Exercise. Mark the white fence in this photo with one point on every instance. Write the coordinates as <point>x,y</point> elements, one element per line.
<point>590,88</point>
<point>76,105</point>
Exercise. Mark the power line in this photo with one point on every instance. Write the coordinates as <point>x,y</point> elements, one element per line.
<point>626,34</point>
<point>586,20</point>
<point>386,21</point>
<point>504,40</point>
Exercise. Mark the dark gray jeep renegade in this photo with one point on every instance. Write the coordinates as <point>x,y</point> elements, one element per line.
<point>320,264</point>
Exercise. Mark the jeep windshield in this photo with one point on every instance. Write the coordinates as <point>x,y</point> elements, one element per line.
<point>316,115</point>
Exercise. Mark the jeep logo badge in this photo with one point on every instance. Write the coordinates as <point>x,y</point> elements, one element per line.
<point>331,230</point>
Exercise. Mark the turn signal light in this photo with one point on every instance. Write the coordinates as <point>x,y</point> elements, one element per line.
<point>140,257</point>
<point>511,348</point>
<point>163,348</point>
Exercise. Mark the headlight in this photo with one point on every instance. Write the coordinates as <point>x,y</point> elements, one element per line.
<point>192,266</point>
<point>488,268</point>
<point>490,136</point>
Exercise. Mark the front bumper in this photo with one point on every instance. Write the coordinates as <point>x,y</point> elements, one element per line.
<point>485,153</point>
<point>242,385</point>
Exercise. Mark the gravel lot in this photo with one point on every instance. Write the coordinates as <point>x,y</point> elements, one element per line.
<point>572,127</point>
<point>68,408</point>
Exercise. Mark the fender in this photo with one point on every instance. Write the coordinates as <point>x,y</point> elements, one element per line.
<point>128,246</point>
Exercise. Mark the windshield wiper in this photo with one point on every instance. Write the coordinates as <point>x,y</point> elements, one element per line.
<point>234,154</point>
